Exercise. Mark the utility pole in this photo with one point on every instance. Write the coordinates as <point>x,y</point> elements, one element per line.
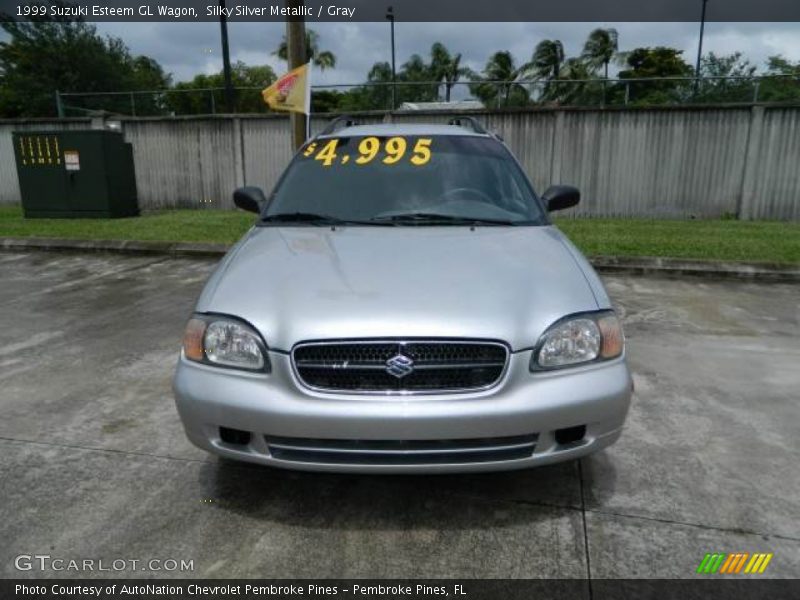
<point>59,105</point>
<point>226,60</point>
<point>390,18</point>
<point>296,50</point>
<point>700,48</point>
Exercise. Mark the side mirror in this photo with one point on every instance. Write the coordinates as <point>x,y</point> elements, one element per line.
<point>559,197</point>
<point>249,198</point>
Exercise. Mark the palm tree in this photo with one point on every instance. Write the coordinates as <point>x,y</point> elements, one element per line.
<point>601,48</point>
<point>321,58</point>
<point>579,90</point>
<point>501,75</point>
<point>414,78</point>
<point>548,56</point>
<point>379,96</point>
<point>447,67</point>
<point>546,63</point>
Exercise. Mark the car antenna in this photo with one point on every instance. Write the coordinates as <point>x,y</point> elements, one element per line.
<point>470,122</point>
<point>337,124</point>
<point>474,124</point>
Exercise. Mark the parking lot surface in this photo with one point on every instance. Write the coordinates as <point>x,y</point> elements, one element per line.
<point>94,463</point>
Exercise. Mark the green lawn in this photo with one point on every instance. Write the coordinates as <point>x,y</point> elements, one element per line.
<point>772,241</point>
<point>706,239</point>
<point>168,225</point>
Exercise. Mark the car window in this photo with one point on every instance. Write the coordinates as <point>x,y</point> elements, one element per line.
<point>369,177</point>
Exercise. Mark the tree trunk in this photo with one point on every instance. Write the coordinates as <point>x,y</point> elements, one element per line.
<point>296,48</point>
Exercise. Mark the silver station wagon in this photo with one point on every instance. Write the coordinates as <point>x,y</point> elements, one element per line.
<point>403,304</point>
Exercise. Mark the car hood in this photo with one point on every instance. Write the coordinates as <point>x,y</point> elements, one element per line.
<point>310,283</point>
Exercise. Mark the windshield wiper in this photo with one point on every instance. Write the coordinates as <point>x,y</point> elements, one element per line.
<point>300,217</point>
<point>314,219</point>
<point>427,218</point>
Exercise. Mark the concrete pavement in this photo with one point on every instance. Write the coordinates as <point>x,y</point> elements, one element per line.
<point>94,464</point>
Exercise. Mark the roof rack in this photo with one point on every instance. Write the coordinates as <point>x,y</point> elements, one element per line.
<point>337,124</point>
<point>470,122</point>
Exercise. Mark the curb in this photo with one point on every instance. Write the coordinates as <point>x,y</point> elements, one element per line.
<point>685,267</point>
<point>673,267</point>
<point>197,249</point>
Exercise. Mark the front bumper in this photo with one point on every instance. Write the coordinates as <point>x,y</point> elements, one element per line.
<point>275,405</point>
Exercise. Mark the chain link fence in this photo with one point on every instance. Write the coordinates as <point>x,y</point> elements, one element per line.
<point>482,94</point>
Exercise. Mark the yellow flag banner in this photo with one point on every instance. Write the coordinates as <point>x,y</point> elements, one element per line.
<point>291,92</point>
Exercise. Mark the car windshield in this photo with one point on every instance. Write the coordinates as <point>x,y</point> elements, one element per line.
<point>404,180</point>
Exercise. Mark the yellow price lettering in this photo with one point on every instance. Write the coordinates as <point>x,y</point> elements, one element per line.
<point>310,149</point>
<point>368,149</point>
<point>328,153</point>
<point>395,149</point>
<point>422,152</point>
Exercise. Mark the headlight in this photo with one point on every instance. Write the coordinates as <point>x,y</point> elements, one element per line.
<point>579,339</point>
<point>225,342</point>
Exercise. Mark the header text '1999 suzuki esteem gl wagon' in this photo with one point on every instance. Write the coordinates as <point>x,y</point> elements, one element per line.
<point>403,304</point>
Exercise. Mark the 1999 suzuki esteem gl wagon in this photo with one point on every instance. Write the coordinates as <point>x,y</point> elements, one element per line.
<point>403,304</point>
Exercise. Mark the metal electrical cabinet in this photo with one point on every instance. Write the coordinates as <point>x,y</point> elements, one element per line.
<point>75,174</point>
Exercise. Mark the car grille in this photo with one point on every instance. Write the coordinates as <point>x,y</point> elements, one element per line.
<point>400,366</point>
<point>397,452</point>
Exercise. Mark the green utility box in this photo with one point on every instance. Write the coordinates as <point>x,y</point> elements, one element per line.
<point>74,174</point>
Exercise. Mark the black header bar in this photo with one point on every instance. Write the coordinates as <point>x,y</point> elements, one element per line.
<point>408,10</point>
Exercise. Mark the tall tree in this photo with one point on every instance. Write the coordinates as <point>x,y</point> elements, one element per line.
<point>656,63</point>
<point>782,81</point>
<point>725,78</point>
<point>323,59</point>
<point>412,77</point>
<point>582,87</point>
<point>600,49</point>
<point>185,99</point>
<point>375,95</point>
<point>68,55</point>
<point>500,86</point>
<point>546,63</point>
<point>446,67</point>
<point>149,75</point>
<point>547,59</point>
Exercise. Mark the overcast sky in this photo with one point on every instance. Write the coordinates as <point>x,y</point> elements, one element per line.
<point>185,49</point>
